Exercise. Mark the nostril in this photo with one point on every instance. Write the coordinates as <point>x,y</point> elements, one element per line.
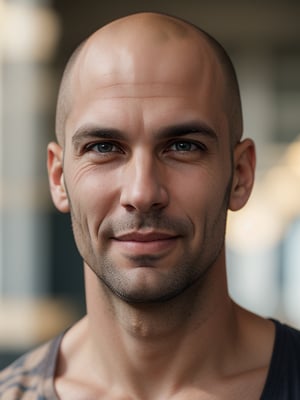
<point>129,208</point>
<point>145,200</point>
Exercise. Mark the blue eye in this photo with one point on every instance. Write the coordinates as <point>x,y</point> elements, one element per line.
<point>104,147</point>
<point>184,146</point>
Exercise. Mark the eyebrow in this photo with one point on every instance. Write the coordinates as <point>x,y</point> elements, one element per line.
<point>95,132</point>
<point>183,129</point>
<point>169,132</point>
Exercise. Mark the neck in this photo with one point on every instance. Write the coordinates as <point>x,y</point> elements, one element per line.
<point>160,341</point>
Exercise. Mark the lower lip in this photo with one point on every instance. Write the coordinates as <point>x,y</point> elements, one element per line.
<point>143,248</point>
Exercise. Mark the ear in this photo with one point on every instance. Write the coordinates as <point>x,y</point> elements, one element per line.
<point>56,177</point>
<point>243,174</point>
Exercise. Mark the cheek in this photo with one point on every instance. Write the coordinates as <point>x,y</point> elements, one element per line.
<point>198,190</point>
<point>203,199</point>
<point>92,197</point>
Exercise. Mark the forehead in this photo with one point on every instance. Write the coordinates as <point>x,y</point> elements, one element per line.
<point>146,56</point>
<point>171,64</point>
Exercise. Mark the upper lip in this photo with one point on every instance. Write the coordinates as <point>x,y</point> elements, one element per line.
<point>144,236</point>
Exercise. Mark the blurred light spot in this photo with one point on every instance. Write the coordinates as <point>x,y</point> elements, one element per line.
<point>29,33</point>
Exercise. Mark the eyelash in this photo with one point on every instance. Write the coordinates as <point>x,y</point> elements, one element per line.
<point>191,143</point>
<point>116,148</point>
<point>91,147</point>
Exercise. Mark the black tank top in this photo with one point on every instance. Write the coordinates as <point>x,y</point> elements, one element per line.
<point>283,381</point>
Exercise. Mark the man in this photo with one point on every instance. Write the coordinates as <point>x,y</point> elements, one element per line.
<point>148,161</point>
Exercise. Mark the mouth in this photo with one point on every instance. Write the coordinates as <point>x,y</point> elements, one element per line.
<point>145,243</point>
<point>140,236</point>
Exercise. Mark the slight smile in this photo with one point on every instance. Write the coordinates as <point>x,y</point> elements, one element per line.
<point>142,243</point>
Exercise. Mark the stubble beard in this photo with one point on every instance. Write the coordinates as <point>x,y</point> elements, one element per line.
<point>191,271</point>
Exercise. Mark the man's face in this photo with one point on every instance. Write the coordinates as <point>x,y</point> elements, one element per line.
<point>147,166</point>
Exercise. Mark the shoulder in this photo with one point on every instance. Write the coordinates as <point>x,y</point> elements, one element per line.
<point>286,351</point>
<point>283,381</point>
<point>287,341</point>
<point>31,373</point>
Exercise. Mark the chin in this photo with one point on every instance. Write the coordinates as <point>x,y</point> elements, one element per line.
<point>146,294</point>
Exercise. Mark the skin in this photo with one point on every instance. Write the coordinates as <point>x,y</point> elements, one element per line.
<point>148,168</point>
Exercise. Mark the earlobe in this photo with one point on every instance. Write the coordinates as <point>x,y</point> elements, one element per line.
<point>56,177</point>
<point>243,174</point>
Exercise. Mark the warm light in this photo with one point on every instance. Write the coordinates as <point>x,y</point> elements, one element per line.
<point>29,33</point>
<point>282,187</point>
<point>273,205</point>
<point>255,227</point>
<point>292,159</point>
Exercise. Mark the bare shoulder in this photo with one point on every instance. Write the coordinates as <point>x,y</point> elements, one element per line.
<point>244,373</point>
<point>31,375</point>
<point>242,370</point>
<point>240,375</point>
<point>257,337</point>
<point>254,349</point>
<point>72,376</point>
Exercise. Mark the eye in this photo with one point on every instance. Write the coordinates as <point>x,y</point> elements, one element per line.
<point>185,146</point>
<point>104,147</point>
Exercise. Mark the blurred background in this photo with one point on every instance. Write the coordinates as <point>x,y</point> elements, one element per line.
<point>41,281</point>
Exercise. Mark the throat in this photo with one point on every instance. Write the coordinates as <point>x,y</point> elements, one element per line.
<point>162,319</point>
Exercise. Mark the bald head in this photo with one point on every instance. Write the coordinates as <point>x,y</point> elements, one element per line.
<point>147,37</point>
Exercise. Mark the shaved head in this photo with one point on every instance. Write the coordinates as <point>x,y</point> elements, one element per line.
<point>149,158</point>
<point>140,34</point>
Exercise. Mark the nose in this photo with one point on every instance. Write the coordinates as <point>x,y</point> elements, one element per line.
<point>143,184</point>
